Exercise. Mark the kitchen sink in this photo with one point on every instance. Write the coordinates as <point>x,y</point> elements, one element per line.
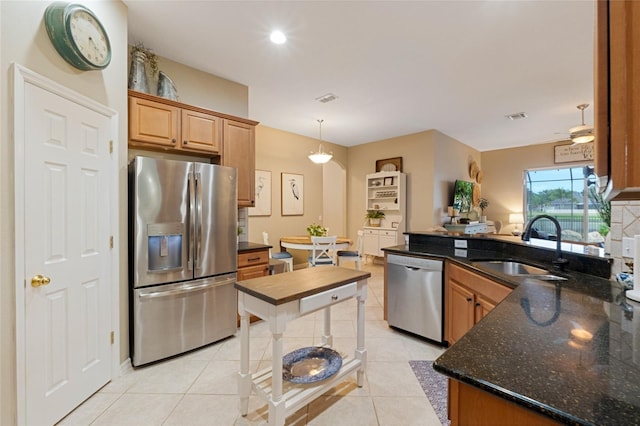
<point>513,268</point>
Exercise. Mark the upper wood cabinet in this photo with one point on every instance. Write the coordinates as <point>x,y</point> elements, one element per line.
<point>200,132</point>
<point>162,124</point>
<point>239,152</point>
<point>617,98</point>
<point>153,124</point>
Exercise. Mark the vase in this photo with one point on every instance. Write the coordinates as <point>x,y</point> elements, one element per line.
<point>166,87</point>
<point>483,219</point>
<point>138,73</point>
<point>374,221</point>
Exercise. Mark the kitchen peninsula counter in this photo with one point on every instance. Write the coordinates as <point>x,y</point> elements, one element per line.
<point>569,350</point>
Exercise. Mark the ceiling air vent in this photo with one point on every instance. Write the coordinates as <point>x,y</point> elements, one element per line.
<point>516,116</point>
<point>327,98</point>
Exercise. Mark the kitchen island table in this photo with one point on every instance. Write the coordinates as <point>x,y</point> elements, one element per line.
<point>279,299</point>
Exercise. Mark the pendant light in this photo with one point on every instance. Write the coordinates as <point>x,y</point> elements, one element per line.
<point>582,133</point>
<point>320,157</point>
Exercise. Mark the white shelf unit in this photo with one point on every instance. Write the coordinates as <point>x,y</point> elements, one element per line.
<point>385,191</point>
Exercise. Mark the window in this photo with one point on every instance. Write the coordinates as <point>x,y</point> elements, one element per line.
<point>569,195</point>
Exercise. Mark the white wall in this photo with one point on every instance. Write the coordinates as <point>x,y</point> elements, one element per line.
<point>25,41</point>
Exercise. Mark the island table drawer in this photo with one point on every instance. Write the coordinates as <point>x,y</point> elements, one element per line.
<point>327,298</point>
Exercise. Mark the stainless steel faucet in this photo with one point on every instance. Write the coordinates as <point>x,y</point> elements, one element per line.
<point>559,262</point>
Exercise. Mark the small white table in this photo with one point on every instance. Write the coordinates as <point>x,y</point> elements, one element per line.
<point>304,243</point>
<point>285,297</point>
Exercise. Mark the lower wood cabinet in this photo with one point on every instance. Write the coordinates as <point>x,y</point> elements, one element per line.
<point>253,264</point>
<point>469,405</point>
<point>468,298</point>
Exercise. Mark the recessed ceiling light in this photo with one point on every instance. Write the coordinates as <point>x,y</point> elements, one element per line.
<point>277,37</point>
<point>516,116</point>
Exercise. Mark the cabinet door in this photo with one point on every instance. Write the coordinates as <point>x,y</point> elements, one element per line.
<point>459,311</point>
<point>370,245</point>
<point>201,132</point>
<point>482,307</point>
<point>387,239</point>
<point>239,152</point>
<point>153,123</point>
<point>617,99</point>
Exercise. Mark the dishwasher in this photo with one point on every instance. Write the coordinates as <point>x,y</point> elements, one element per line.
<point>415,296</point>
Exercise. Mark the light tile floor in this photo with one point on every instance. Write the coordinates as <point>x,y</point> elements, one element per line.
<point>200,387</point>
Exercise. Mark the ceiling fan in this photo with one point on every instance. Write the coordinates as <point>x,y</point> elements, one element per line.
<point>579,134</point>
<point>582,133</point>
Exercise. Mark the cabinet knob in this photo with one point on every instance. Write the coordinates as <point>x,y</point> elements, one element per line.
<point>469,299</point>
<point>185,142</point>
<point>173,140</point>
<point>477,304</point>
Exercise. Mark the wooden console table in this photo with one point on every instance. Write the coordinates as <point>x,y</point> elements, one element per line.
<point>285,297</point>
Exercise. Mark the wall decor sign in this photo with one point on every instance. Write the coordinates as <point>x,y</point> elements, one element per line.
<point>263,194</point>
<point>573,152</point>
<point>292,194</point>
<point>389,165</point>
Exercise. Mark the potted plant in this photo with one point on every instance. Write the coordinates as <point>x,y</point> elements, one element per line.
<point>483,203</point>
<point>375,217</point>
<point>315,230</point>
<point>141,58</point>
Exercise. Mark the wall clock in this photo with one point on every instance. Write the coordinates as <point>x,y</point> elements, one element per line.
<point>78,36</point>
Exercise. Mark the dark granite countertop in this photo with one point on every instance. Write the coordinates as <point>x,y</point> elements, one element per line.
<point>523,350</point>
<point>247,247</point>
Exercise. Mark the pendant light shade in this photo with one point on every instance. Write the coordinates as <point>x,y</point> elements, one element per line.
<point>320,157</point>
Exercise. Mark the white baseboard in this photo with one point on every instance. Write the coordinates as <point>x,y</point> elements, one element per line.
<point>126,367</point>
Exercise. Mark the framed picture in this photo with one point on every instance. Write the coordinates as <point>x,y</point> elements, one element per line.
<point>263,194</point>
<point>292,194</point>
<point>571,153</point>
<point>388,181</point>
<point>389,165</point>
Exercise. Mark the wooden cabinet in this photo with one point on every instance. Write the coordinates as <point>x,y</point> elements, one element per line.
<point>377,239</point>
<point>469,405</point>
<point>200,132</point>
<point>468,298</point>
<point>239,152</point>
<point>152,124</point>
<point>253,264</point>
<point>161,124</point>
<point>617,98</point>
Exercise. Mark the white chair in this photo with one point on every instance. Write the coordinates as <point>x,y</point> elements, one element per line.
<point>353,255</point>
<point>287,258</point>
<point>323,251</point>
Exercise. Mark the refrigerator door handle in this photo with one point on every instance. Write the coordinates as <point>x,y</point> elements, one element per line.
<point>182,290</point>
<point>192,220</point>
<point>198,219</point>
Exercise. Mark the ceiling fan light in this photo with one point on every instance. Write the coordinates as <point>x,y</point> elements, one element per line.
<point>581,134</point>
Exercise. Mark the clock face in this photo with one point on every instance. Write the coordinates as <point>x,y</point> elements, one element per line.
<point>90,38</point>
<point>78,36</point>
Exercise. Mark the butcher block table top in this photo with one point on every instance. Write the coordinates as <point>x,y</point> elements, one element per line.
<point>283,288</point>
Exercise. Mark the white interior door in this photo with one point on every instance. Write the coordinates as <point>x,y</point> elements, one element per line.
<point>68,258</point>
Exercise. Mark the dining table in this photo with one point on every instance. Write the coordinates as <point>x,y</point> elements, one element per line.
<point>303,242</point>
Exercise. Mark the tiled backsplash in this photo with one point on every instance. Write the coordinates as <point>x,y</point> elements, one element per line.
<point>625,222</point>
<point>243,222</point>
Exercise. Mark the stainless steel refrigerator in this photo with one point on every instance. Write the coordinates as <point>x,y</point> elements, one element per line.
<point>182,256</point>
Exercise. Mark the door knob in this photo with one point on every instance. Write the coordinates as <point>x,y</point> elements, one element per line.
<point>38,280</point>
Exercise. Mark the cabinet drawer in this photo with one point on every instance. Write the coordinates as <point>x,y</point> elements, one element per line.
<point>371,232</point>
<point>326,298</point>
<point>253,258</point>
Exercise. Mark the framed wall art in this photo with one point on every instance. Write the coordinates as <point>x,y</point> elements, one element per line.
<point>292,194</point>
<point>389,165</point>
<point>263,194</point>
